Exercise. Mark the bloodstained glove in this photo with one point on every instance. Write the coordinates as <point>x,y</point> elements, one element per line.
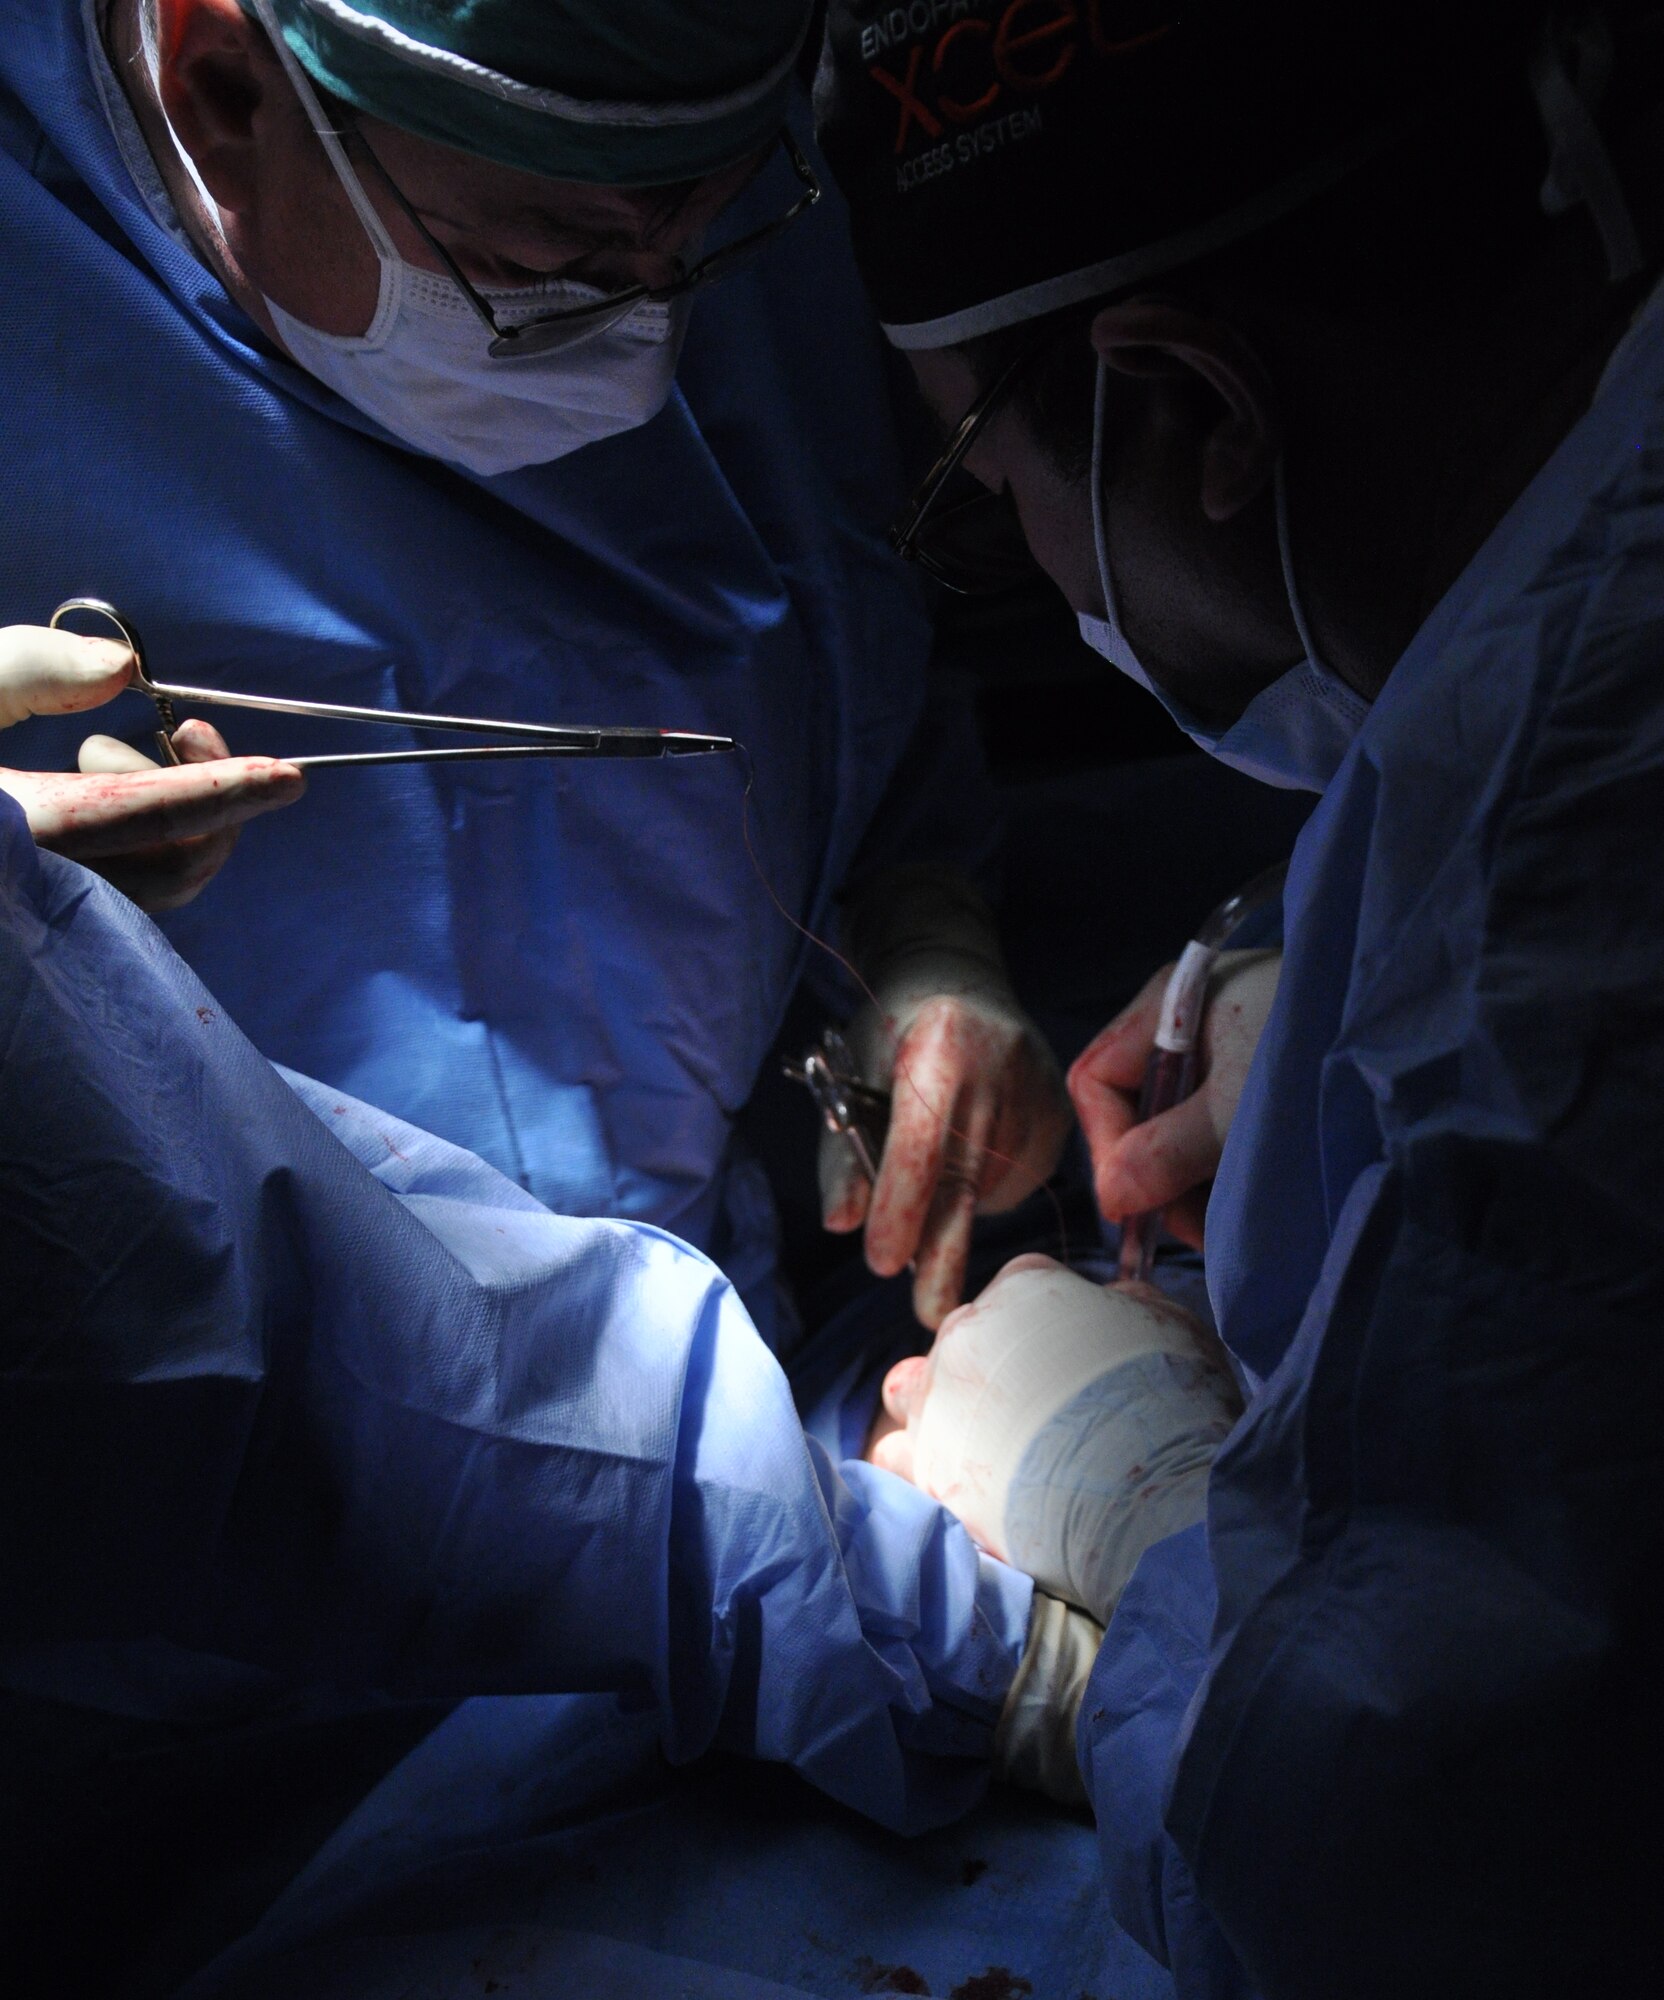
<point>159,835</point>
<point>1169,1161</point>
<point>978,1111</point>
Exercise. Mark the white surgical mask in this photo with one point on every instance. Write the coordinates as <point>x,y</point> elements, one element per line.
<point>1293,733</point>
<point>421,368</point>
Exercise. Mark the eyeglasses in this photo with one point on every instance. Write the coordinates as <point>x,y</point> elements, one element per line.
<point>568,325</point>
<point>966,537</point>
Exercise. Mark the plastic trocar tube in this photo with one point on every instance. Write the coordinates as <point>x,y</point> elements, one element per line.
<point>1170,1074</point>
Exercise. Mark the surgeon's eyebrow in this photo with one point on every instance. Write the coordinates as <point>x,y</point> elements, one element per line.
<point>673,199</point>
<point>528,216</point>
<point>535,243</point>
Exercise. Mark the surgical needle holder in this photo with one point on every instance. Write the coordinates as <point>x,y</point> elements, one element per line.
<point>859,1114</point>
<point>532,739</point>
<point>1170,1074</point>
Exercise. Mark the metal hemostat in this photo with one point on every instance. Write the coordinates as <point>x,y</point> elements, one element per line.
<point>534,739</point>
<point>851,1108</point>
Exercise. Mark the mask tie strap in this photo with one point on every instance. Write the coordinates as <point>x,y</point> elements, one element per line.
<point>1285,553</point>
<point>1100,542</point>
<point>1581,167</point>
<point>1336,691</point>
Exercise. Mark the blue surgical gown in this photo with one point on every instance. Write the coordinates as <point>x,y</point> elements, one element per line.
<point>294,1395</point>
<point>1389,1724</point>
<point>574,971</point>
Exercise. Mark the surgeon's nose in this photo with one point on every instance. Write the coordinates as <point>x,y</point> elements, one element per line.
<point>622,270</point>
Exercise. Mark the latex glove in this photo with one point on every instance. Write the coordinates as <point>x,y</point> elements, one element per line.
<point>1034,1742</point>
<point>1170,1162</point>
<point>978,1113</point>
<point>1069,1425</point>
<point>159,834</point>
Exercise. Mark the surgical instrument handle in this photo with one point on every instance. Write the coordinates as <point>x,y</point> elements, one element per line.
<point>532,738</point>
<point>1170,1073</point>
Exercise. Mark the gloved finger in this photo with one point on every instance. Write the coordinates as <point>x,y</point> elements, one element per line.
<point>43,672</point>
<point>104,756</point>
<point>166,878</point>
<point>88,818</point>
<point>199,742</point>
<point>924,1095</point>
<point>1106,1113</point>
<point>1186,1218</point>
<point>194,742</point>
<point>1115,1057</point>
<point>906,1386</point>
<point>895,1454</point>
<point>945,1241</point>
<point>1156,1162</point>
<point>1106,1077</point>
<point>1029,1121</point>
<point>844,1189</point>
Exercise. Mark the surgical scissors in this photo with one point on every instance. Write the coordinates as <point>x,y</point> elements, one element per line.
<point>536,739</point>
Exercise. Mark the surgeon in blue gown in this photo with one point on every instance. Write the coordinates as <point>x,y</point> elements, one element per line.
<point>1322,352</point>
<point>262,417</point>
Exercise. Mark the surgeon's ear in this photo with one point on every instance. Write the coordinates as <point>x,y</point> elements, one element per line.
<point>1151,339</point>
<point>216,68</point>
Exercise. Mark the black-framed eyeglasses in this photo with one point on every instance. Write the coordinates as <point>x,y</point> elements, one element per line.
<point>567,325</point>
<point>968,538</point>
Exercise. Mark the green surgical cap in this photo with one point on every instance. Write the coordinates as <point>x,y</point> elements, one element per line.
<point>628,93</point>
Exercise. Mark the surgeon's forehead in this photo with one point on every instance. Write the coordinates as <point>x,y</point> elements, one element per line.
<point>464,188</point>
<point>479,199</point>
<point>946,380</point>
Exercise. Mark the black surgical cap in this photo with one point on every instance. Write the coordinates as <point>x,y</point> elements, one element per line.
<point>1005,158</point>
